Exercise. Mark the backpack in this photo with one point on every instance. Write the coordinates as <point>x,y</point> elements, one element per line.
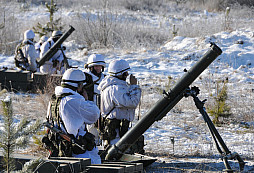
<point>20,60</point>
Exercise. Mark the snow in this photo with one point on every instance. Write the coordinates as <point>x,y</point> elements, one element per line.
<point>184,125</point>
<point>7,99</point>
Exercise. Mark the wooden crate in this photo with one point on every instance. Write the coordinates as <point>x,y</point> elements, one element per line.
<point>104,169</point>
<point>15,80</point>
<point>138,167</point>
<point>44,82</point>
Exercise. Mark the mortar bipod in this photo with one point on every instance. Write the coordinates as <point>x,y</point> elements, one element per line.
<point>226,155</point>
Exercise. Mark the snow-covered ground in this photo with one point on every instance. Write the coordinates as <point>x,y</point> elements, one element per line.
<point>193,145</point>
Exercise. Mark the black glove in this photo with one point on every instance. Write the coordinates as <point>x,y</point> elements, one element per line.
<point>89,137</point>
<point>81,142</point>
<point>55,62</point>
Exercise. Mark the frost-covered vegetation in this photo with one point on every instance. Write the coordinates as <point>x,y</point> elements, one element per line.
<point>125,24</point>
<point>159,38</point>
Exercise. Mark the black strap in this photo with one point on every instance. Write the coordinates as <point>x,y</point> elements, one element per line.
<point>73,81</point>
<point>58,100</point>
<point>109,112</point>
<point>95,82</point>
<point>28,42</point>
<point>49,44</point>
<point>69,86</point>
<point>120,71</point>
<point>96,62</point>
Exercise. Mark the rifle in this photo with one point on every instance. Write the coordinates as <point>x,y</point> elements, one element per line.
<point>23,60</point>
<point>62,134</point>
<point>99,121</point>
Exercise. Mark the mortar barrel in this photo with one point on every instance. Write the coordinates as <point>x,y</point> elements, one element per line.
<point>52,51</point>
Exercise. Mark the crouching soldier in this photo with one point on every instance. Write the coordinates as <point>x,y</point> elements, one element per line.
<point>25,54</point>
<point>70,111</point>
<point>55,64</point>
<point>118,100</point>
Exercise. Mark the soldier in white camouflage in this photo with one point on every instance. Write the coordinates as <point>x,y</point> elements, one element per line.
<point>55,64</point>
<point>25,54</point>
<point>119,100</point>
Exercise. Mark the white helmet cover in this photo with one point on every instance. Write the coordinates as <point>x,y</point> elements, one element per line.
<point>118,67</point>
<point>28,34</point>
<point>43,39</point>
<point>57,34</point>
<point>96,59</point>
<point>73,77</point>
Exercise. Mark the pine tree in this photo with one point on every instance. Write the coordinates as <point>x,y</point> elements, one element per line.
<point>31,165</point>
<point>14,136</point>
<point>52,24</point>
<point>220,108</point>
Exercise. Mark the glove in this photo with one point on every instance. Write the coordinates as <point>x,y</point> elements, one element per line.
<point>89,137</point>
<point>55,62</point>
<point>82,142</point>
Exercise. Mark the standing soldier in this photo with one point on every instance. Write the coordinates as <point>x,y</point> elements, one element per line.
<point>25,54</point>
<point>70,111</point>
<point>95,67</point>
<point>94,71</point>
<point>54,65</point>
<point>118,100</point>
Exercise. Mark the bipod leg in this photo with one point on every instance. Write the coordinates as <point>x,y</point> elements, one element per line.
<point>200,106</point>
<point>228,168</point>
<point>215,134</point>
<point>226,155</point>
<point>65,60</point>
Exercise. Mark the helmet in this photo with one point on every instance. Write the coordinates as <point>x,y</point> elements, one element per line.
<point>96,59</point>
<point>73,77</point>
<point>43,39</point>
<point>57,34</point>
<point>118,67</point>
<point>29,34</point>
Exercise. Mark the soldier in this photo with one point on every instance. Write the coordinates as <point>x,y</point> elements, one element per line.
<point>94,71</point>
<point>54,65</point>
<point>95,67</point>
<point>118,100</point>
<point>72,113</point>
<point>38,45</point>
<point>25,54</point>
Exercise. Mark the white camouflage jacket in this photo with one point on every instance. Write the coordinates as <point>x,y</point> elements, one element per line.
<point>75,111</point>
<point>120,97</point>
<point>48,66</point>
<point>30,53</point>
